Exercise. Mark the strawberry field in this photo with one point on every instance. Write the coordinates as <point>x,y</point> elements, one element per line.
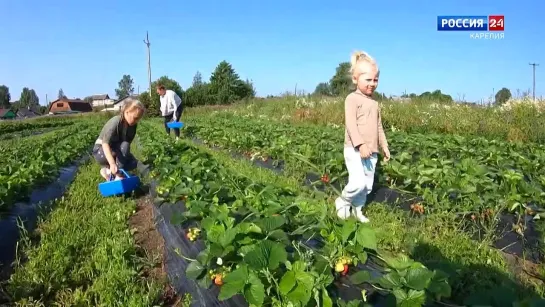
<point>244,205</point>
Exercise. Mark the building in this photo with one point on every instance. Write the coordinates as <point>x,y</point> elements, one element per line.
<point>121,102</point>
<point>27,113</point>
<point>65,105</point>
<point>102,100</point>
<point>7,114</point>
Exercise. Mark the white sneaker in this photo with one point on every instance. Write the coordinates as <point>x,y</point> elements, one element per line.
<point>343,209</point>
<point>358,213</point>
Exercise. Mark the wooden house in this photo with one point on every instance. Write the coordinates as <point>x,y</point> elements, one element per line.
<point>65,105</point>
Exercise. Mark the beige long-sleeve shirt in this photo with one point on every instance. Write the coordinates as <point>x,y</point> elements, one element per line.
<point>363,122</point>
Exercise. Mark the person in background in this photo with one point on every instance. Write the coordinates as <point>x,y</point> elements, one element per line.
<point>171,107</point>
<point>112,148</point>
<point>364,135</point>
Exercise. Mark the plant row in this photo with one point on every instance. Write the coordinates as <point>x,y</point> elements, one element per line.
<point>85,256</point>
<point>14,126</point>
<point>38,159</point>
<point>271,245</point>
<point>448,172</point>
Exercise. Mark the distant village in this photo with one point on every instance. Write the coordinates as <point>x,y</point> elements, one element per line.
<point>94,103</point>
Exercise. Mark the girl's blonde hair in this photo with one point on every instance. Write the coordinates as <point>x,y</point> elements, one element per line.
<point>358,57</point>
<point>131,105</point>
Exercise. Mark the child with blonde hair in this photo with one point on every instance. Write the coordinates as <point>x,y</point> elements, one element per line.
<point>364,136</point>
<point>112,147</point>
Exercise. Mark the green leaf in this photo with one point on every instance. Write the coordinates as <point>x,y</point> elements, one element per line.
<point>279,235</point>
<point>326,300</point>
<point>418,278</point>
<point>228,237</point>
<point>254,291</point>
<point>194,270</point>
<point>266,254</point>
<point>366,237</point>
<point>348,228</point>
<point>390,281</point>
<point>287,282</point>
<point>234,283</point>
<point>271,223</point>
<point>360,277</point>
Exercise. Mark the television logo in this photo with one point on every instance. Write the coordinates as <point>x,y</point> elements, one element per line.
<point>491,23</point>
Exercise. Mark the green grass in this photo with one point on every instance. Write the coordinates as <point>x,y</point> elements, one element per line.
<point>86,255</point>
<point>435,240</point>
<point>523,122</point>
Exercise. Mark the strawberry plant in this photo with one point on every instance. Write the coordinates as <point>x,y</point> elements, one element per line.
<point>258,237</point>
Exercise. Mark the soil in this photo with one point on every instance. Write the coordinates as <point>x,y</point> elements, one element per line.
<point>152,245</point>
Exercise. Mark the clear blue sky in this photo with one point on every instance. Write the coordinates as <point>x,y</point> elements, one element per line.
<point>85,47</point>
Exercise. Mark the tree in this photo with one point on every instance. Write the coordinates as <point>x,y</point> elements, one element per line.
<point>436,96</point>
<point>226,86</point>
<point>125,87</point>
<point>197,80</point>
<point>34,100</point>
<point>341,83</point>
<point>5,97</point>
<point>502,96</point>
<point>322,89</point>
<point>88,99</point>
<point>61,94</point>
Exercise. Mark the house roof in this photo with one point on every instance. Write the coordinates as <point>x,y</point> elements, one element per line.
<point>100,97</point>
<point>75,104</point>
<point>3,112</point>
<point>27,113</point>
<point>135,97</point>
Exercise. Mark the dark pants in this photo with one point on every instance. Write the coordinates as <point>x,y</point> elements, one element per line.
<point>168,118</point>
<point>122,154</point>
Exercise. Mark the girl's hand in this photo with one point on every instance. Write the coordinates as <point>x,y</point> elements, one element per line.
<point>113,169</point>
<point>386,153</point>
<point>365,152</point>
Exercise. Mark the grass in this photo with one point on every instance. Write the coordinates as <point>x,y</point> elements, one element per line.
<point>86,255</point>
<point>435,240</point>
<point>521,122</point>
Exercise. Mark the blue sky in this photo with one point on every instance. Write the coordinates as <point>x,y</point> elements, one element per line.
<point>85,47</point>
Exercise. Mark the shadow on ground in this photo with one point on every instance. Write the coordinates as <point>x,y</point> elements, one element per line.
<point>499,289</point>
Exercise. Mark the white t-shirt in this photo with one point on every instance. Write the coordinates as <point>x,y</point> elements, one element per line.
<point>169,102</point>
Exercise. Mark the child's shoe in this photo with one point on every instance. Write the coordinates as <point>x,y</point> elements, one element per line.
<point>343,208</point>
<point>358,213</point>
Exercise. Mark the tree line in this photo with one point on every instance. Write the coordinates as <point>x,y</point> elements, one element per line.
<point>341,85</point>
<point>28,98</point>
<point>223,87</point>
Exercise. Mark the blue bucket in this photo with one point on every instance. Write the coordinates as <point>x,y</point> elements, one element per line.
<point>122,186</point>
<point>175,125</point>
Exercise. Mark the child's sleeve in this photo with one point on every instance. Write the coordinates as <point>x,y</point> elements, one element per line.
<point>382,141</point>
<point>350,111</point>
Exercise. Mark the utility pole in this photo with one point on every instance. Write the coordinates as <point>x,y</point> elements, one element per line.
<point>534,79</point>
<point>146,41</point>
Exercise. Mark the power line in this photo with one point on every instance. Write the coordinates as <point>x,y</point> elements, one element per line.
<point>146,41</point>
<point>534,79</point>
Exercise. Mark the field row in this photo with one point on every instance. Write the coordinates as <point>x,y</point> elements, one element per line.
<point>85,255</point>
<point>29,125</point>
<point>37,159</point>
<point>258,236</point>
<point>449,172</point>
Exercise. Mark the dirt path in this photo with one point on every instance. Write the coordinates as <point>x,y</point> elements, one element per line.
<point>152,246</point>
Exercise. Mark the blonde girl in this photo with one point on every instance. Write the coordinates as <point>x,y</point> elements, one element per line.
<point>364,136</point>
<point>112,147</point>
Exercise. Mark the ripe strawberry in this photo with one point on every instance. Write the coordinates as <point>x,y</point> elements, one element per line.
<point>218,280</point>
<point>345,270</point>
<point>325,178</point>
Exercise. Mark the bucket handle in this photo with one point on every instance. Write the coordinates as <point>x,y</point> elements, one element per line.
<point>123,172</point>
